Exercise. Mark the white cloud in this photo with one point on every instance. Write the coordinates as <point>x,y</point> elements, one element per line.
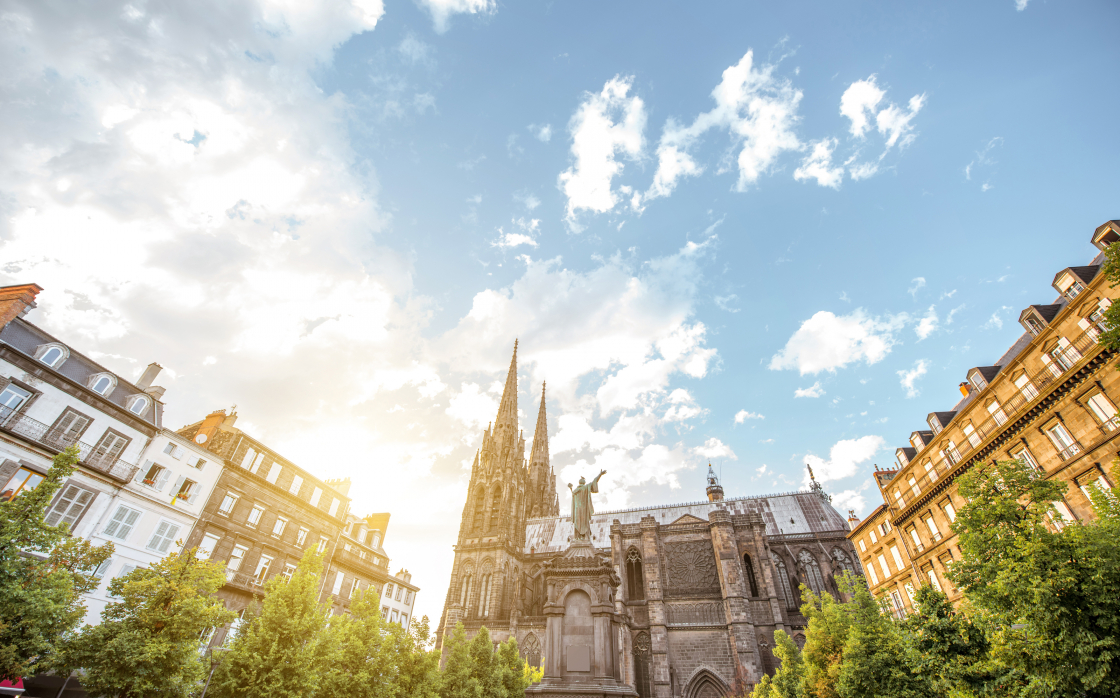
<point>757,108</point>
<point>928,324</point>
<point>844,457</point>
<point>826,342</point>
<point>508,240</point>
<point>818,165</point>
<point>714,448</point>
<point>743,415</point>
<point>953,312</point>
<point>916,283</point>
<point>597,138</point>
<point>726,302</point>
<point>897,124</point>
<point>908,378</point>
<point>995,322</point>
<point>849,499</point>
<point>858,104</point>
<point>1021,5</point>
<point>542,133</point>
<point>814,390</point>
<point>443,10</point>
<point>475,409</point>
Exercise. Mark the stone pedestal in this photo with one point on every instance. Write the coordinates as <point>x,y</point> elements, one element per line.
<point>581,646</point>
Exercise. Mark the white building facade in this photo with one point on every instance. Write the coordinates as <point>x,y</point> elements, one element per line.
<point>399,598</point>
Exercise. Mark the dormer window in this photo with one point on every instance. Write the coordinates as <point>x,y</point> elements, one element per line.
<point>138,405</point>
<point>102,383</point>
<point>977,380</point>
<point>1034,326</point>
<point>934,424</point>
<point>916,441</point>
<point>53,355</point>
<point>1074,289</point>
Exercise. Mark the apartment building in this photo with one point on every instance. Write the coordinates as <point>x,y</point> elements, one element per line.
<point>399,598</point>
<point>1050,400</point>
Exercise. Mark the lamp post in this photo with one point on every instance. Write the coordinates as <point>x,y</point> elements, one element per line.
<point>214,659</point>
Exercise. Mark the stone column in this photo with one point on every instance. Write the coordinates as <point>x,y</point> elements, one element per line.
<point>655,604</point>
<point>740,629</point>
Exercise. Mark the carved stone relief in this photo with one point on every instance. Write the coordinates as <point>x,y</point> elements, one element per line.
<point>690,568</point>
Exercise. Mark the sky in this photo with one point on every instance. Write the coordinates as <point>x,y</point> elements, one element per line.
<point>753,234</point>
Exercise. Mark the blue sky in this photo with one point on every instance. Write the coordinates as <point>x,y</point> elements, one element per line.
<point>742,232</point>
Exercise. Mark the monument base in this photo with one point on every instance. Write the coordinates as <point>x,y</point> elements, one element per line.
<point>540,690</point>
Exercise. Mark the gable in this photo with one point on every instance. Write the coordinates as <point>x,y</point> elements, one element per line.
<point>688,519</point>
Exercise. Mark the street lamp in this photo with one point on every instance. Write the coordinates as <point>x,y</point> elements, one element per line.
<point>214,660</point>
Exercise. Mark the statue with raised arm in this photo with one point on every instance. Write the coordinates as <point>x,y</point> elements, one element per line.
<point>581,505</point>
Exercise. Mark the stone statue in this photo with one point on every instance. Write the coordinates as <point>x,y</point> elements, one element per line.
<point>581,505</point>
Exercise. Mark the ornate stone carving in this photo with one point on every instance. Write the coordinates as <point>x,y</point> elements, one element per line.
<point>691,567</point>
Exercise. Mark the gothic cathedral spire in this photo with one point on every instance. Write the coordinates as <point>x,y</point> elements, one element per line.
<point>507,410</point>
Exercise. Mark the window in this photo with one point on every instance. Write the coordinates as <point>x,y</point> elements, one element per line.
<point>783,581</point>
<point>13,396</point>
<point>102,569</point>
<point>997,412</point>
<point>163,537</point>
<point>1034,326</point>
<point>896,603</point>
<point>261,573</point>
<point>197,464</point>
<point>932,526</point>
<point>870,567</point>
<point>1023,383</point>
<point>53,356</point>
<point>917,540</point>
<point>138,405</point>
<point>1102,409</point>
<point>408,598</point>
<point>971,435</point>
<point>174,451</point>
<point>206,547</point>
<point>884,528</point>
<point>247,461</point>
<point>297,482</point>
<point>933,578</point>
<point>914,486</point>
<point>395,615</point>
<point>374,538</point>
<point>752,584</point>
<point>66,510</point>
<point>278,527</point>
<point>398,596</point>
<point>323,543</point>
<point>930,471</point>
<point>355,587</point>
<point>949,509</point>
<point>978,381</point>
<point>874,538</point>
<point>289,570</point>
<point>23,480</point>
<point>883,566</point>
<point>1064,511</point>
<point>102,384</point>
<point>227,503</point>
<point>156,476</point>
<point>255,515</point>
<point>67,429</point>
<point>337,583</point>
<point>898,498</point>
<point>384,612</point>
<point>388,591</point>
<point>185,490</point>
<point>897,558</point>
<point>1062,357</point>
<point>316,494</point>
<point>862,547</point>
<point>916,442</point>
<point>1074,289</point>
<point>334,507</point>
<point>236,558</point>
<point>812,571</point>
<point>122,523</point>
<point>1027,457</point>
<point>404,619</point>
<point>935,424</point>
<point>635,580</point>
<point>1067,447</point>
<point>301,537</point>
<point>274,472</point>
<point>109,448</point>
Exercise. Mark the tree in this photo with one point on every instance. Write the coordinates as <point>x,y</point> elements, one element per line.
<point>787,680</point>
<point>43,573</point>
<point>147,642</point>
<point>417,662</point>
<point>459,679</point>
<point>511,670</point>
<point>1048,588</point>
<point>475,670</point>
<point>1110,339</point>
<point>279,653</point>
<point>878,656</point>
<point>359,652</point>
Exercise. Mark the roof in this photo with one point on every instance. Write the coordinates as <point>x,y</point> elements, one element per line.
<point>1084,274</point>
<point>794,512</point>
<point>26,337</point>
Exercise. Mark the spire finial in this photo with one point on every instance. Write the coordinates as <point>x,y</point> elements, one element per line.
<point>540,436</point>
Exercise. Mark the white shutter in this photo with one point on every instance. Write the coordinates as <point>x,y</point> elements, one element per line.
<point>115,523</point>
<point>159,535</point>
<point>162,479</point>
<point>178,484</point>
<point>169,538</point>
<point>70,506</point>
<point>274,472</point>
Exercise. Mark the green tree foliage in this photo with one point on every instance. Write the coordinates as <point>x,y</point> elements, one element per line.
<point>147,642</point>
<point>1111,271</point>
<point>787,680</point>
<point>419,663</point>
<point>280,652</point>
<point>43,573</point>
<point>474,670</point>
<point>1050,591</point>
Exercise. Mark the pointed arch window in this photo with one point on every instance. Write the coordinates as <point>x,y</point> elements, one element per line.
<point>465,593</point>
<point>812,571</point>
<point>643,652</point>
<point>479,510</point>
<point>783,582</point>
<point>843,561</point>
<point>635,582</point>
<point>749,569</point>
<point>495,509</point>
<point>531,651</point>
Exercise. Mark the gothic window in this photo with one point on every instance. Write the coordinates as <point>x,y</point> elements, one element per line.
<point>812,571</point>
<point>479,510</point>
<point>465,594</point>
<point>749,569</point>
<point>783,582</point>
<point>642,654</point>
<point>495,509</point>
<point>635,583</point>
<point>531,650</point>
<point>843,561</point>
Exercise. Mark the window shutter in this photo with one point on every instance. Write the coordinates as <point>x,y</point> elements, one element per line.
<point>158,536</point>
<point>161,480</point>
<point>115,523</point>
<point>169,538</point>
<point>178,484</point>
<point>129,522</point>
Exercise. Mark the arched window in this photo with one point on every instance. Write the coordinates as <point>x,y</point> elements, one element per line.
<point>139,406</point>
<point>484,595</point>
<point>749,569</point>
<point>635,583</point>
<point>812,571</point>
<point>531,650</point>
<point>495,509</point>
<point>783,582</point>
<point>102,384</point>
<point>53,356</point>
<point>479,510</point>
<point>374,538</point>
<point>843,562</point>
<point>465,593</point>
<point>642,654</point>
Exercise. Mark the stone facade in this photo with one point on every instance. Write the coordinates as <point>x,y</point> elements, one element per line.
<point>1050,400</point>
<point>703,586</point>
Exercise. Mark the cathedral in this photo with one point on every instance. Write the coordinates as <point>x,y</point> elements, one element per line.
<point>703,585</point>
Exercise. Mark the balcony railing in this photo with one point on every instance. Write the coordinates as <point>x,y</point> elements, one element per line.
<point>58,440</point>
<point>1006,412</point>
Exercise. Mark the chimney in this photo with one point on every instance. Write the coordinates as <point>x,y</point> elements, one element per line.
<point>209,428</point>
<point>148,376</point>
<point>965,388</point>
<point>340,485</point>
<point>157,391</point>
<point>853,520</point>
<point>16,301</point>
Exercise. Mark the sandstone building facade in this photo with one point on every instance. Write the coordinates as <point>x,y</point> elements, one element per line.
<point>704,586</point>
<point>1050,400</point>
